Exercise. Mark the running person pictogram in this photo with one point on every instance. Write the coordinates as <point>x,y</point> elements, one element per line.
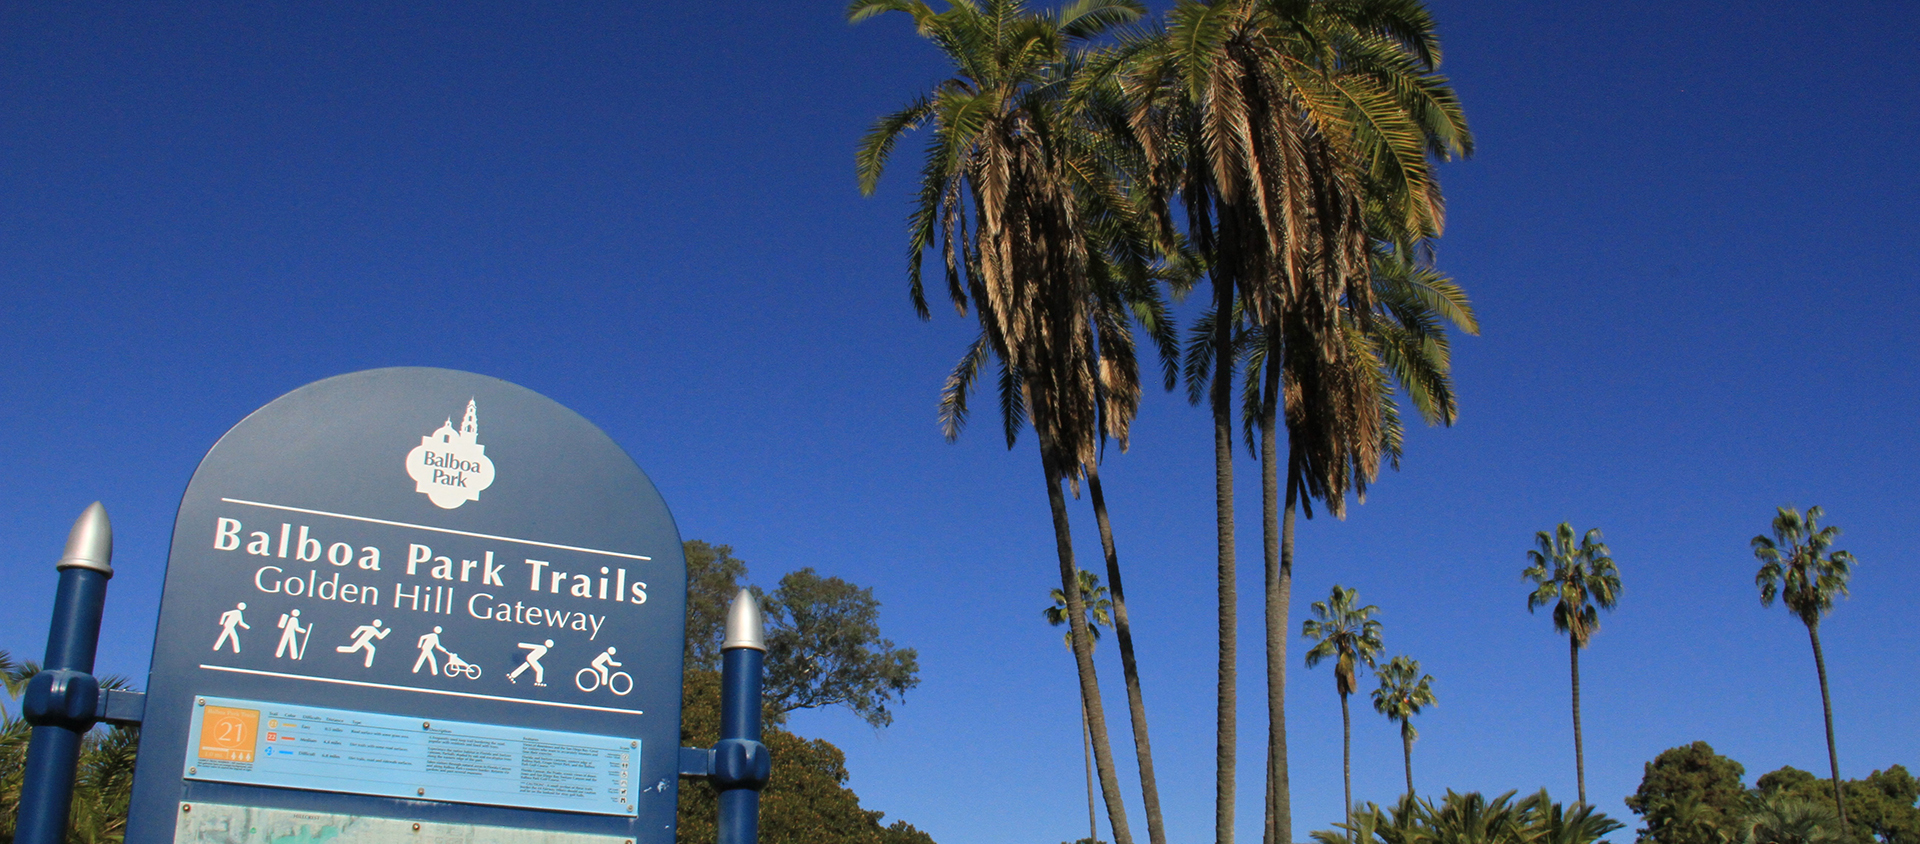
<point>534,653</point>
<point>363,638</point>
<point>228,621</point>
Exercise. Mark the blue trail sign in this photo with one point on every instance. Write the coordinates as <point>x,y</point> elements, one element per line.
<point>416,596</point>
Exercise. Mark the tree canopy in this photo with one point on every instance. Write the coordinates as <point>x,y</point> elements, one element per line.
<point>1880,807</point>
<point>824,646</point>
<point>1687,794</point>
<point>806,802</point>
<point>1692,795</point>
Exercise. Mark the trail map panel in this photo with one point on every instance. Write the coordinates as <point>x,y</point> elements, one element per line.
<point>294,746</point>
<point>419,546</point>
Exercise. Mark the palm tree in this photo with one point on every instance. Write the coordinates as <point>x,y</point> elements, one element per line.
<point>1403,692</point>
<point>1006,194</point>
<point>1471,818</point>
<point>1782,818</point>
<point>1551,823</point>
<point>1797,566</point>
<point>1306,129</point>
<point>1578,581</point>
<point>1404,342</point>
<point>1099,612</point>
<point>1348,633</point>
<point>11,680</point>
<point>1124,268</point>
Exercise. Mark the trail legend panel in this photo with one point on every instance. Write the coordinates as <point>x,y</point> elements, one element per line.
<point>309,747</point>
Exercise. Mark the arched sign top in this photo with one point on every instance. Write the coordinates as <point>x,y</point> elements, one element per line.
<point>452,448</point>
<point>463,569</point>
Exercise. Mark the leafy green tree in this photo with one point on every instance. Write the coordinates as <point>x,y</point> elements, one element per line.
<point>806,801</point>
<point>1880,808</point>
<point>1093,596</point>
<point>1403,692</point>
<point>713,579</point>
<point>1798,565</point>
<point>824,646</point>
<point>1011,194</point>
<point>1689,795</point>
<point>1578,581</point>
<point>1346,632</point>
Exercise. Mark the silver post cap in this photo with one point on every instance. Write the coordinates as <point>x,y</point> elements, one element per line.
<point>90,545</point>
<point>743,624</point>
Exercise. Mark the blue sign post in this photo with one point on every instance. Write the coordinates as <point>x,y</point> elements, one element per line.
<point>379,624</point>
<point>741,765</point>
<point>62,701</point>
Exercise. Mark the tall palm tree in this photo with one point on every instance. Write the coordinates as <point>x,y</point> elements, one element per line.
<point>1348,633</point>
<point>1403,692</point>
<point>1798,566</point>
<point>1093,596</point>
<point>1005,195</point>
<point>1125,265</point>
<point>1579,581</point>
<point>1405,343</point>
<point>1306,130</point>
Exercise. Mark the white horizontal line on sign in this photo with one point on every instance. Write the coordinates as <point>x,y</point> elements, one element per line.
<point>434,529</point>
<point>447,692</point>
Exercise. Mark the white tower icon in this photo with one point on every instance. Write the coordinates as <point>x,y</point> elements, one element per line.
<point>451,467</point>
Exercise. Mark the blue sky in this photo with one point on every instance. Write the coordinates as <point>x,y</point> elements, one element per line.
<point>1687,232</point>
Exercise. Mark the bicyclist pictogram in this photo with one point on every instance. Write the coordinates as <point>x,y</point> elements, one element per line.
<point>598,674</point>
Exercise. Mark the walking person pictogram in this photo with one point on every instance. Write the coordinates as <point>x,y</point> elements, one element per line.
<point>428,644</point>
<point>228,621</point>
<point>363,637</point>
<point>534,653</point>
<point>293,637</point>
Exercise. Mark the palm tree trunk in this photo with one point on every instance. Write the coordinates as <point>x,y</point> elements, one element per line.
<point>1227,698</point>
<point>1123,632</point>
<point>1279,584</point>
<point>1826,708</point>
<point>1406,748</point>
<point>1579,755</point>
<point>1086,747</point>
<point>1346,759</point>
<point>1082,644</point>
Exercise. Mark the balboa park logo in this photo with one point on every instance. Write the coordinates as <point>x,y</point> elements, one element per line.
<point>451,467</point>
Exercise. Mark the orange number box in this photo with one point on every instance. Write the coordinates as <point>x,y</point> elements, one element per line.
<point>227,733</point>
